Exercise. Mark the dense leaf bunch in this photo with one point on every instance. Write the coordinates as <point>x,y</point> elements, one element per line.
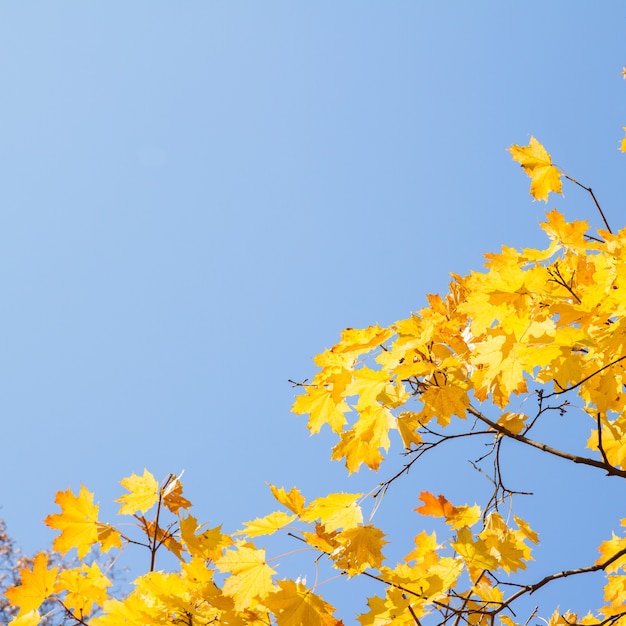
<point>549,323</point>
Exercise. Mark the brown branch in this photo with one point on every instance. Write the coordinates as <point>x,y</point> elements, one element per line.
<point>564,574</point>
<point>574,458</point>
<point>584,380</point>
<point>573,180</point>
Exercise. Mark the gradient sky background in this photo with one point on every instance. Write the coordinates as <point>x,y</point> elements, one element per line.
<point>196,197</point>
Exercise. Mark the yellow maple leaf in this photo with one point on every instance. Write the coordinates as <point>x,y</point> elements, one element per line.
<point>32,618</point>
<point>206,544</point>
<point>267,525</point>
<point>85,586</point>
<point>337,510</point>
<point>322,408</point>
<point>513,422</point>
<point>360,548</point>
<point>36,585</point>
<point>623,144</point>
<point>295,604</point>
<point>78,522</point>
<point>362,340</point>
<point>250,576</point>
<point>292,499</point>
<point>537,163</point>
<point>144,493</point>
<point>474,552</point>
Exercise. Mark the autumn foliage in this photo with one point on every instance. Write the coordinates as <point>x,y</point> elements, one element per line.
<point>548,324</point>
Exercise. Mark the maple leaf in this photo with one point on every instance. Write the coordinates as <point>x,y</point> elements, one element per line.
<point>144,493</point>
<point>250,576</point>
<point>295,604</point>
<point>623,144</point>
<point>35,586</point>
<point>206,544</point>
<point>173,498</point>
<point>85,586</point>
<point>513,422</point>
<point>322,408</point>
<point>475,552</point>
<point>436,507</point>
<point>267,525</point>
<point>360,549</point>
<point>78,522</point>
<point>337,510</point>
<point>32,618</point>
<point>537,163</point>
<point>293,499</point>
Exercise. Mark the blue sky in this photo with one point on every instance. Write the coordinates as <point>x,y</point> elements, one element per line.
<point>197,197</point>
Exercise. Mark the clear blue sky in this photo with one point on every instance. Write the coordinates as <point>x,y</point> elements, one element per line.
<point>196,197</point>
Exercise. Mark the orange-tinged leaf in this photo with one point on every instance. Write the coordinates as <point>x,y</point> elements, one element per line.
<point>36,585</point>
<point>78,522</point>
<point>293,499</point>
<point>250,576</point>
<point>537,163</point>
<point>144,493</point>
<point>436,507</point>
<point>173,497</point>
<point>294,604</point>
<point>337,510</point>
<point>108,537</point>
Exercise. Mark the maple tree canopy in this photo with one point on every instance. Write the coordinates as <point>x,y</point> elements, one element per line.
<point>547,323</point>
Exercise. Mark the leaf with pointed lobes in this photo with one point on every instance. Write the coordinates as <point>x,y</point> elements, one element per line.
<point>36,585</point>
<point>267,525</point>
<point>359,549</point>
<point>337,510</point>
<point>291,499</point>
<point>250,576</point>
<point>144,493</point>
<point>78,522</point>
<point>295,605</point>
<point>537,163</point>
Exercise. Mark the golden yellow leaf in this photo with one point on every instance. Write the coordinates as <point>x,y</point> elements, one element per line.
<point>32,618</point>
<point>360,548</point>
<point>475,552</point>
<point>322,408</point>
<point>144,493</point>
<point>267,525</point>
<point>536,161</point>
<point>623,144</point>
<point>362,340</point>
<point>85,586</point>
<point>295,605</point>
<point>250,576</point>
<point>36,585</point>
<point>513,422</point>
<point>78,522</point>
<point>206,544</point>
<point>293,499</point>
<point>337,510</point>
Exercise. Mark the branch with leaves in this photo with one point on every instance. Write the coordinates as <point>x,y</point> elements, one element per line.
<point>545,323</point>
